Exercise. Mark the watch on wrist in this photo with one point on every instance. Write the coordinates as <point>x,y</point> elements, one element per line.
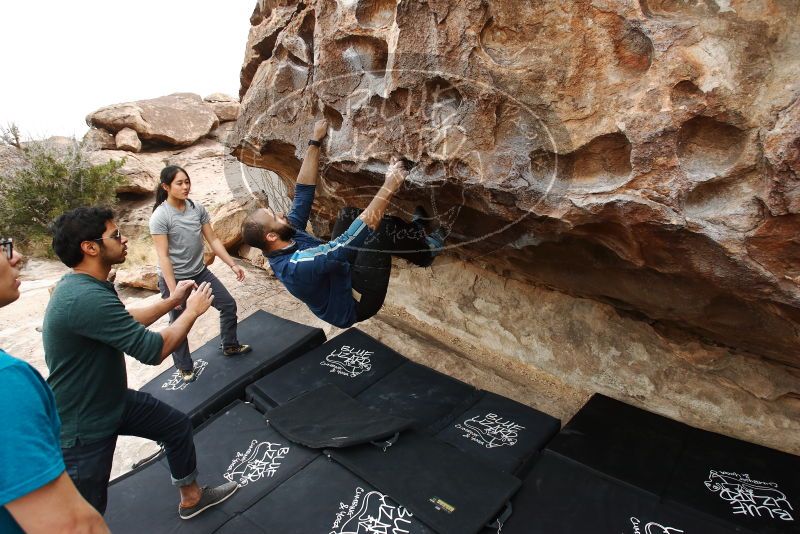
<point>314,142</point>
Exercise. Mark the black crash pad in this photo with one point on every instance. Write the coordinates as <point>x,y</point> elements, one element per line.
<point>560,496</point>
<point>623,442</point>
<point>145,500</point>
<point>352,361</point>
<point>503,432</point>
<point>327,417</point>
<point>748,487</point>
<point>416,392</point>
<point>221,379</point>
<point>325,498</point>
<point>745,485</point>
<point>236,445</point>
<point>447,489</point>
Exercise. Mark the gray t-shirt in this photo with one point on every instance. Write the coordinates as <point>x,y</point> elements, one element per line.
<point>184,233</point>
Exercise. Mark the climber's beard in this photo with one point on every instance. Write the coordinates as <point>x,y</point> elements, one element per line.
<point>285,232</point>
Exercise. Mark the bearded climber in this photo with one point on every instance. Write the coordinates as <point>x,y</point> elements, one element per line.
<point>343,281</point>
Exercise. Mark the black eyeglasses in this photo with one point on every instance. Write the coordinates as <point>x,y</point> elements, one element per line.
<point>7,247</point>
<point>116,235</point>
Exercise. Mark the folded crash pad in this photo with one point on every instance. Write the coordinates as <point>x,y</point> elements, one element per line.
<point>416,392</point>
<point>326,417</point>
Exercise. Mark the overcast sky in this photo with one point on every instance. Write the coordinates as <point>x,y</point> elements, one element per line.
<point>61,60</point>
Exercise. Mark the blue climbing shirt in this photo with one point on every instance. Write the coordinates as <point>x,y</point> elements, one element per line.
<point>30,453</point>
<point>316,272</point>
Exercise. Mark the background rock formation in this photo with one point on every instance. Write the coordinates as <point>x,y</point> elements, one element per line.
<point>167,124</point>
<point>644,154</point>
<point>179,120</point>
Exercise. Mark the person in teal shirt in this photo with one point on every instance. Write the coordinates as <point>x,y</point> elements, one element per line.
<point>36,494</point>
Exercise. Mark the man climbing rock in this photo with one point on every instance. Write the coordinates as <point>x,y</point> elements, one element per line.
<point>343,281</point>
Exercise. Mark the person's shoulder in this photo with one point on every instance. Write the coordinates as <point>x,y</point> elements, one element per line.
<point>81,292</point>
<point>160,213</point>
<point>15,374</point>
<point>160,219</point>
<point>198,208</point>
<point>12,364</point>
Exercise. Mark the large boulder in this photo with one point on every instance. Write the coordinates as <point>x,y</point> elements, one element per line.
<point>613,152</point>
<point>644,155</point>
<point>179,119</point>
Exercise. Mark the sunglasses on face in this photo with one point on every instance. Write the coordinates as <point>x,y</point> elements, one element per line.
<point>7,247</point>
<point>116,235</point>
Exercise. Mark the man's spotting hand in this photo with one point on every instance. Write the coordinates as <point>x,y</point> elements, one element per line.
<point>182,290</point>
<point>200,299</point>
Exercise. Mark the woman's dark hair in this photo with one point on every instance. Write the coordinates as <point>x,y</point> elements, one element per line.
<point>75,227</point>
<point>168,174</point>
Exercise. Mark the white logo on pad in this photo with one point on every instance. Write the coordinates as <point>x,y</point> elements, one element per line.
<point>348,361</point>
<point>176,383</point>
<point>750,497</point>
<point>261,459</point>
<point>490,430</point>
<point>371,513</point>
<point>652,528</point>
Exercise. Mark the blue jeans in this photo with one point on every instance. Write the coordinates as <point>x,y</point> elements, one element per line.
<point>89,465</point>
<point>223,301</point>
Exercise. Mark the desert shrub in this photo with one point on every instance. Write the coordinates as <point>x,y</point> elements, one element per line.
<point>40,180</point>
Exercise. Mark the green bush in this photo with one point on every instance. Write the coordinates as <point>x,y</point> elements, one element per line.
<point>42,180</point>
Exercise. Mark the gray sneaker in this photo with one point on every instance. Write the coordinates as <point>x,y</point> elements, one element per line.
<point>210,497</point>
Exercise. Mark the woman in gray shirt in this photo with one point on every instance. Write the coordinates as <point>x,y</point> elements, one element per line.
<point>178,226</point>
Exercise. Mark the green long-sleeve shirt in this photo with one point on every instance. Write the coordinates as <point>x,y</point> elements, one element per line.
<point>86,332</point>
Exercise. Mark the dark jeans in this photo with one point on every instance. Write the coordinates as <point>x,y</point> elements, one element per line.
<point>89,465</point>
<point>223,301</point>
<point>371,266</point>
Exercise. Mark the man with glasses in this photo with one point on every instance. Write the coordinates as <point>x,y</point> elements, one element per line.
<point>36,494</point>
<point>86,332</point>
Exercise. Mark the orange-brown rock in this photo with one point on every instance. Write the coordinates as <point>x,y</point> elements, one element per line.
<point>644,154</point>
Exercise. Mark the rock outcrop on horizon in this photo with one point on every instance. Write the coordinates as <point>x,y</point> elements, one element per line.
<point>642,154</point>
<point>180,119</point>
<point>189,132</point>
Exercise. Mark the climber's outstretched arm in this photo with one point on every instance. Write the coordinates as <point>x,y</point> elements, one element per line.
<point>309,170</point>
<point>395,176</point>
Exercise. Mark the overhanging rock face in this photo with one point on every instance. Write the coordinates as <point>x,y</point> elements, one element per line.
<point>645,154</point>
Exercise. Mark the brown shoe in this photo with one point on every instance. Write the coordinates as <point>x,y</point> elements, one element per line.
<point>235,351</point>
